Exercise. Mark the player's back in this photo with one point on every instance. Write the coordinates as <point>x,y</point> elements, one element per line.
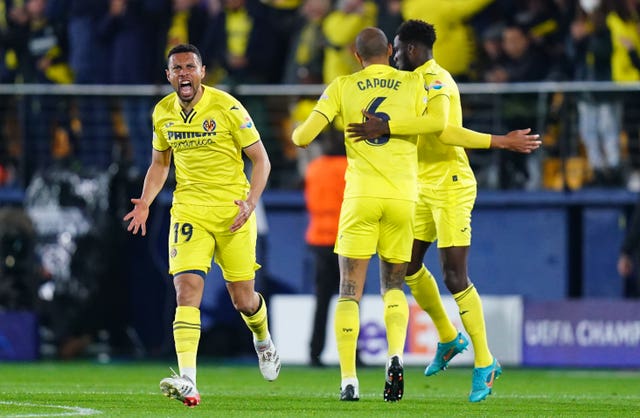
<point>382,167</point>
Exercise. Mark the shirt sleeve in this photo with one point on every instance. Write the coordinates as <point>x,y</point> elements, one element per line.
<point>245,130</point>
<point>463,137</point>
<point>433,122</point>
<point>309,129</point>
<point>159,141</point>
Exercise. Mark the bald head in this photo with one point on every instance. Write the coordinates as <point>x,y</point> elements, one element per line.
<point>372,43</point>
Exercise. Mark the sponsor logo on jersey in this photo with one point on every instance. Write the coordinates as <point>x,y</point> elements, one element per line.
<point>248,123</point>
<point>436,85</point>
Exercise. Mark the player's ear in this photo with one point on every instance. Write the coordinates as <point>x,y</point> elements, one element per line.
<point>166,71</point>
<point>359,58</point>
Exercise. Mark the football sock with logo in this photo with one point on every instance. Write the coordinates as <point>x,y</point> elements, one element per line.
<point>396,319</point>
<point>470,308</point>
<point>258,323</point>
<point>425,291</point>
<point>186,334</point>
<point>346,326</point>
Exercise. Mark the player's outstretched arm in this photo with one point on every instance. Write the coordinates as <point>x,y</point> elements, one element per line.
<point>517,141</point>
<point>153,182</point>
<point>308,130</point>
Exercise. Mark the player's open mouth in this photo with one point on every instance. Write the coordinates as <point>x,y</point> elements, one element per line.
<point>186,89</point>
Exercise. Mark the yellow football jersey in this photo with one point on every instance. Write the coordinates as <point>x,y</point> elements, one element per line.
<point>207,146</point>
<point>379,167</point>
<point>442,165</point>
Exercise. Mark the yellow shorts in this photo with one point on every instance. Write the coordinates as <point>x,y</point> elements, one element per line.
<point>198,234</point>
<point>369,225</point>
<point>445,215</point>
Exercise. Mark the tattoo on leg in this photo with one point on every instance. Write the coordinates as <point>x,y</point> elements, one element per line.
<point>350,285</point>
<point>348,288</point>
<point>393,276</point>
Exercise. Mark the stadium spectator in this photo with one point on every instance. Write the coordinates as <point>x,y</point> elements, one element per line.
<point>91,125</point>
<point>491,53</point>
<point>389,16</point>
<point>340,29</point>
<point>455,48</point>
<point>324,188</point>
<point>129,31</point>
<point>304,66</point>
<point>240,43</point>
<point>379,198</point>
<point>548,24</point>
<point>599,113</point>
<point>629,258</point>
<point>282,20</point>
<point>212,214</point>
<point>306,55</point>
<point>41,48</point>
<point>523,62</point>
<point>443,171</point>
<point>240,49</point>
<point>623,21</point>
<point>8,18</point>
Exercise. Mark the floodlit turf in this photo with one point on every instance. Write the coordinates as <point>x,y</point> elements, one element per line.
<point>131,390</point>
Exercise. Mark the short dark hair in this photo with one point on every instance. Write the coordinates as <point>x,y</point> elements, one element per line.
<point>417,31</point>
<point>185,48</point>
<point>371,42</point>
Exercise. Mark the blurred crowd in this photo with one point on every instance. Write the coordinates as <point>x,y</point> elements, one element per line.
<point>311,42</point>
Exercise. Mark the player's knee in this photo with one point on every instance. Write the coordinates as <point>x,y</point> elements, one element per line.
<point>455,280</point>
<point>413,267</point>
<point>245,305</point>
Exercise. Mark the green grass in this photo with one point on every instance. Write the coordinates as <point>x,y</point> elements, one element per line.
<point>131,390</point>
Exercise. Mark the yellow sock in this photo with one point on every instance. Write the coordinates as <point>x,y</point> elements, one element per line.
<point>347,327</point>
<point>472,317</point>
<point>258,323</point>
<point>186,335</point>
<point>396,319</point>
<point>425,291</point>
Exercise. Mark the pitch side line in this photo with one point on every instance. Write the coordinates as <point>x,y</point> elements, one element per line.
<point>70,410</point>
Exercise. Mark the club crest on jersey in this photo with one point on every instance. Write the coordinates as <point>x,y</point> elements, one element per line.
<point>174,252</point>
<point>248,123</point>
<point>209,125</point>
<point>436,85</point>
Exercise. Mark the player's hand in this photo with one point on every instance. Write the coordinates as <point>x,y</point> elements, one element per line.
<point>138,217</point>
<point>625,265</point>
<point>520,140</point>
<point>373,127</point>
<point>245,210</point>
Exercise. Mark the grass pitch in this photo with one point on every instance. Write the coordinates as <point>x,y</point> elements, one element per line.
<point>131,390</point>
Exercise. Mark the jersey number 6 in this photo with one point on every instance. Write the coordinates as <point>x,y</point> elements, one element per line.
<point>373,107</point>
